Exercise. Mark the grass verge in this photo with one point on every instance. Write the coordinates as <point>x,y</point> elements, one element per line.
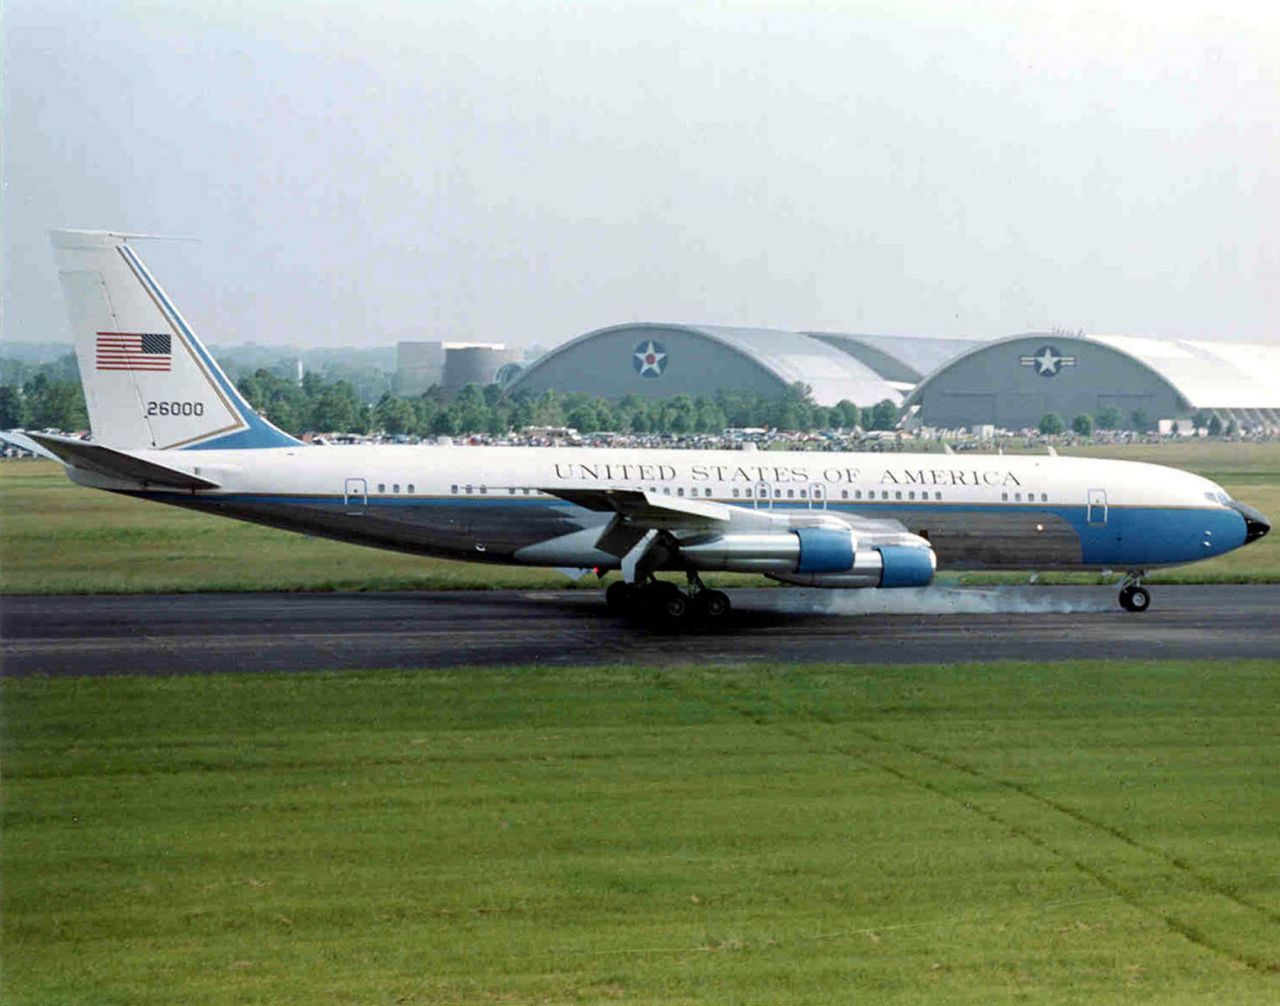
<point>1081,832</point>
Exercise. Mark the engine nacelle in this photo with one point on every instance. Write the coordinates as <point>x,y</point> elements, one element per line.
<point>884,566</point>
<point>813,556</point>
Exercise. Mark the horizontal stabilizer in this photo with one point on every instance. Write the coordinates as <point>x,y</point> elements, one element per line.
<point>21,440</point>
<point>117,464</point>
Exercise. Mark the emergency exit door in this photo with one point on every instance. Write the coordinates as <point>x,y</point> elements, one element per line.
<point>1097,516</point>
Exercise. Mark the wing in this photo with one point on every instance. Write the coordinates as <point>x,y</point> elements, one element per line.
<point>637,513</point>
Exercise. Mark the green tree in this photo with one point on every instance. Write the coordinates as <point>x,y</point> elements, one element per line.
<point>881,416</point>
<point>13,410</point>
<point>1139,420</point>
<point>1108,418</point>
<point>53,404</point>
<point>1083,425</point>
<point>393,415</point>
<point>1051,424</point>
<point>1200,420</point>
<point>1215,425</point>
<point>845,415</point>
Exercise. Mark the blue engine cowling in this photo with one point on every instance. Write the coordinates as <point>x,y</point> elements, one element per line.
<point>906,566</point>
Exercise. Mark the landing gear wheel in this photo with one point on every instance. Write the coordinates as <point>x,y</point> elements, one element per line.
<point>619,595</point>
<point>1135,599</point>
<point>712,605</point>
<point>667,602</point>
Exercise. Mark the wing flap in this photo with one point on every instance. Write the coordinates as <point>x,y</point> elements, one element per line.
<point>117,464</point>
<point>645,508</point>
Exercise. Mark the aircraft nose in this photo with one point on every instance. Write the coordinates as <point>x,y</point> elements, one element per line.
<point>1255,525</point>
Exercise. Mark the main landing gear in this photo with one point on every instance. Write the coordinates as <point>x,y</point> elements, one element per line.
<point>1133,595</point>
<point>663,603</point>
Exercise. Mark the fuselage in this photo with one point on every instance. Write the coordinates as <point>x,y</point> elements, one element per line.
<point>497,504</point>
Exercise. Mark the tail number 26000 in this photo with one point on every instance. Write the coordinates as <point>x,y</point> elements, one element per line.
<point>175,408</point>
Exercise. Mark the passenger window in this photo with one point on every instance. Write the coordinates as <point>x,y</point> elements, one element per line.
<point>1044,497</point>
<point>937,496</point>
<point>857,494</point>
<point>1017,497</point>
<point>468,490</point>
<point>707,493</point>
<point>382,487</point>
<point>454,490</point>
<point>747,493</point>
<point>666,490</point>
<point>735,494</point>
<point>777,494</point>
<point>410,489</point>
<point>802,494</point>
<point>791,494</point>
<point>1005,497</point>
<point>511,492</point>
<point>680,491</point>
<point>844,494</point>
<point>484,490</point>
<point>898,495</point>
<point>911,495</point>
<point>395,488</point>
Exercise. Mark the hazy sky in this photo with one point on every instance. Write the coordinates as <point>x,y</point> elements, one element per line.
<point>361,173</point>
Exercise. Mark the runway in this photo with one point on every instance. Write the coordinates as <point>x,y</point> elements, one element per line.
<point>221,633</point>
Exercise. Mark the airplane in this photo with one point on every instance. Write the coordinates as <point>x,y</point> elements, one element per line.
<point>167,425</point>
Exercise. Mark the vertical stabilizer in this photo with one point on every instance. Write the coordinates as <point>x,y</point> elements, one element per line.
<point>148,381</point>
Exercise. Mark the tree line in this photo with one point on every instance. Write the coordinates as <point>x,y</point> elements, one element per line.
<point>45,401</point>
<point>1109,418</point>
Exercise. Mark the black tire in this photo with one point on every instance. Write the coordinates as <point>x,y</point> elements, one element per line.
<point>713,605</point>
<point>664,602</point>
<point>618,596</point>
<point>1136,599</point>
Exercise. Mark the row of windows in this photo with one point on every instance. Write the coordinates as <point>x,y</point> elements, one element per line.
<point>395,487</point>
<point>761,493</point>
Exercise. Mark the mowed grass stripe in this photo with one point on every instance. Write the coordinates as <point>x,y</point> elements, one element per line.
<point>1026,813</point>
<point>688,835</point>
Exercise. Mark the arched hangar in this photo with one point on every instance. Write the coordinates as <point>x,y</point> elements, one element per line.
<point>663,360</point>
<point>1012,383</point>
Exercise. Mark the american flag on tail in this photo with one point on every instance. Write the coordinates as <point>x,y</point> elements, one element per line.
<point>134,351</point>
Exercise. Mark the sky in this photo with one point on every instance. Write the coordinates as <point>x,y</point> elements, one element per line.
<point>362,173</point>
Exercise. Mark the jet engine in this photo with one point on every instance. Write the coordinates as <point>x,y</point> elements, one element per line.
<point>816,557</point>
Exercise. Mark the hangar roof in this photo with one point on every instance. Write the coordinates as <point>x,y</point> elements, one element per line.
<point>1208,375</point>
<point>794,356</point>
<point>906,359</point>
<point>791,357</point>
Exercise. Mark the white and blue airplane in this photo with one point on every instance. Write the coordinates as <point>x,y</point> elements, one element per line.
<point>167,425</point>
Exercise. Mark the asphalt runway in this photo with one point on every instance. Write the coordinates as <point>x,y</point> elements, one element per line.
<point>220,633</point>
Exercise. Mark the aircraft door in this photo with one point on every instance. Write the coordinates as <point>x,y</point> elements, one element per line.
<point>1097,514</point>
<point>763,491</point>
<point>355,496</point>
<point>817,496</point>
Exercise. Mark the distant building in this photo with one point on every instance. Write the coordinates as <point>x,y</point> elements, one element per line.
<point>452,365</point>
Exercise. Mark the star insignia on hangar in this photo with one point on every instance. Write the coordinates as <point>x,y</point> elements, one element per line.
<point>649,359</point>
<point>1047,361</point>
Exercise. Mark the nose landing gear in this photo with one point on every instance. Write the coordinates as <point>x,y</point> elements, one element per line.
<point>1133,595</point>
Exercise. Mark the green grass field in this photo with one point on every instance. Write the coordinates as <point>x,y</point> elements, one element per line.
<point>61,538</point>
<point>1070,833</point>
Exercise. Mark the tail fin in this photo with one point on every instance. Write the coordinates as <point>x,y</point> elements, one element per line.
<point>148,381</point>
